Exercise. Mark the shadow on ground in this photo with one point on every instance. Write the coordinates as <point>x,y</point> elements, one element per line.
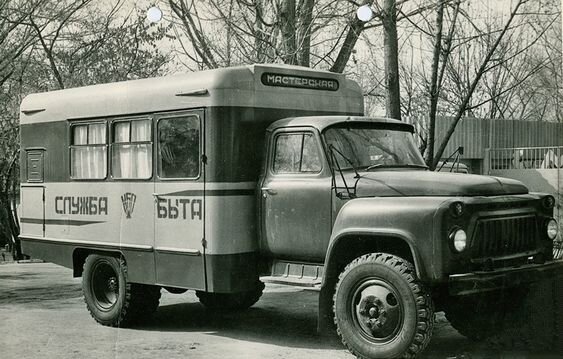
<point>288,319</point>
<point>284,317</point>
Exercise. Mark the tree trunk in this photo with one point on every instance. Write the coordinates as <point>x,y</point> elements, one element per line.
<point>305,32</point>
<point>434,90</point>
<point>356,27</point>
<point>259,33</point>
<point>287,19</point>
<point>391,59</point>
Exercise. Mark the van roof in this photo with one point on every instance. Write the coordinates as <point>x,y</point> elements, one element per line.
<point>234,86</point>
<point>322,122</point>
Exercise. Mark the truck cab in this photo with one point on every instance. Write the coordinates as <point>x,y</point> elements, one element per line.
<point>343,198</point>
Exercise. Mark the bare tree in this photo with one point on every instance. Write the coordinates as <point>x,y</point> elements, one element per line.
<point>486,65</point>
<point>317,33</point>
<point>391,59</point>
<point>442,50</point>
<point>49,44</point>
<point>15,40</point>
<point>478,67</point>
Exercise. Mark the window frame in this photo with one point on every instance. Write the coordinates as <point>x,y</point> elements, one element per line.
<point>302,132</point>
<point>71,145</point>
<point>157,146</point>
<point>112,143</point>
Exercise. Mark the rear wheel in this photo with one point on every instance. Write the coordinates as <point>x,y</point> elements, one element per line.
<point>231,301</point>
<point>110,298</point>
<point>381,309</point>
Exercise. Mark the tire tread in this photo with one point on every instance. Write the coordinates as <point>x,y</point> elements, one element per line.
<point>425,323</point>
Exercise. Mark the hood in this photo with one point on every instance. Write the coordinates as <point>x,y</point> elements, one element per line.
<point>428,183</point>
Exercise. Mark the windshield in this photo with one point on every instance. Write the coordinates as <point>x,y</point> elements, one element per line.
<point>368,146</point>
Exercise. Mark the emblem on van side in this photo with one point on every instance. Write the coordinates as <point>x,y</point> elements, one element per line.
<point>128,200</point>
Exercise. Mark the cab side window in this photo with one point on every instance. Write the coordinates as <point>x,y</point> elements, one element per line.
<point>131,149</point>
<point>88,151</point>
<point>296,153</point>
<point>179,147</point>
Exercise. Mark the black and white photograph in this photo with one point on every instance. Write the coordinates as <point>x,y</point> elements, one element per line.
<point>292,179</point>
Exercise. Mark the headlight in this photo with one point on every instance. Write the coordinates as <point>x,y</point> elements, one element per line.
<point>459,239</point>
<point>552,229</point>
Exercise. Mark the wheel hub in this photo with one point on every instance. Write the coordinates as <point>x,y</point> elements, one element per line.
<point>105,286</point>
<point>377,309</point>
<point>112,284</point>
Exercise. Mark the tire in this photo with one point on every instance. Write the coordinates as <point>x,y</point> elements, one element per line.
<point>381,310</point>
<point>110,298</point>
<point>231,301</point>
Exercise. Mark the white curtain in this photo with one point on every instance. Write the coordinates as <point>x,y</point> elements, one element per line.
<point>121,132</point>
<point>89,160</point>
<point>141,131</point>
<point>132,160</point>
<point>80,135</point>
<point>122,167</point>
<point>129,159</point>
<point>97,134</point>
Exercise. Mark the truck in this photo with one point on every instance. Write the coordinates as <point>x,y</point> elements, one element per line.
<point>219,181</point>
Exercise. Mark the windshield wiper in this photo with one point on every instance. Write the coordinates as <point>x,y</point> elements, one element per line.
<point>332,148</point>
<point>332,151</point>
<point>405,165</point>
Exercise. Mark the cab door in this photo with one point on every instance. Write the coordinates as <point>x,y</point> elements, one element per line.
<point>296,196</point>
<point>179,200</point>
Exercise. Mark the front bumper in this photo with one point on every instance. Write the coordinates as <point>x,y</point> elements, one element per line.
<point>476,282</point>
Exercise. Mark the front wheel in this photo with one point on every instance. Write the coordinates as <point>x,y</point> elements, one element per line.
<point>381,310</point>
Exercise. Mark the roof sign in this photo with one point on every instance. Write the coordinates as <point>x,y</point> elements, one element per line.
<point>304,82</point>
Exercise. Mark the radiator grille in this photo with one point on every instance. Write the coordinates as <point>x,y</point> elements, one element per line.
<point>497,237</point>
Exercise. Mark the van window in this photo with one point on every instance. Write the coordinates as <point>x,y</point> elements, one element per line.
<point>88,151</point>
<point>296,153</point>
<point>131,149</point>
<point>179,147</point>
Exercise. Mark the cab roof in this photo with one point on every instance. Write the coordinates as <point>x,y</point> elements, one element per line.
<point>322,122</point>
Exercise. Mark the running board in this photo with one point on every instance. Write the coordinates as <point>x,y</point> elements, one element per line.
<point>295,274</point>
<point>296,282</point>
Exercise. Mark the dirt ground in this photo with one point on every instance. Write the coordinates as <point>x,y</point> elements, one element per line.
<point>42,315</point>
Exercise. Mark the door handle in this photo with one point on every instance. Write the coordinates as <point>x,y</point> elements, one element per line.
<point>269,191</point>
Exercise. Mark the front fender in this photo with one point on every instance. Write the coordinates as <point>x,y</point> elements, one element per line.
<point>347,234</point>
<point>412,220</point>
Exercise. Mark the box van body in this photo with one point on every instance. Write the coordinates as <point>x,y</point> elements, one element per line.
<point>102,169</point>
